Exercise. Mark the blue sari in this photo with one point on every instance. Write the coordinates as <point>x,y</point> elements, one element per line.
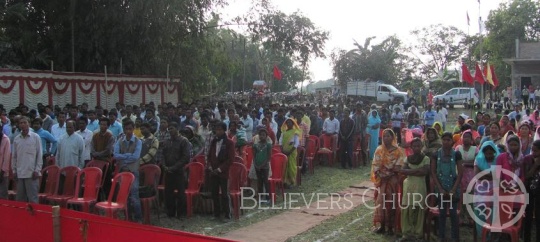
<point>374,133</point>
<point>484,188</point>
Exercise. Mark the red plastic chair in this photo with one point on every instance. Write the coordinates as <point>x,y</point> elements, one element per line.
<point>278,163</point>
<point>104,166</point>
<point>92,184</point>
<point>50,174</point>
<point>326,148</point>
<point>357,150</point>
<point>151,174</point>
<point>432,212</point>
<point>237,177</point>
<point>195,181</point>
<point>118,196</point>
<point>311,152</point>
<point>506,215</point>
<point>276,149</point>
<point>300,151</point>
<point>249,157</point>
<point>68,188</point>
<point>200,158</point>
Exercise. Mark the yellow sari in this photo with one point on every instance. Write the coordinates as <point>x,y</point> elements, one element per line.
<point>385,177</point>
<point>287,145</point>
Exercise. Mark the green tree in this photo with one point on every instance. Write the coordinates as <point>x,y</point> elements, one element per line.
<point>382,61</point>
<point>437,48</point>
<point>519,19</point>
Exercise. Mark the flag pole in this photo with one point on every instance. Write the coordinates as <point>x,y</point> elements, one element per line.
<point>481,54</point>
<point>106,93</point>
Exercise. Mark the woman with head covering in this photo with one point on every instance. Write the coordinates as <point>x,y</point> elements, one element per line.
<point>460,121</point>
<point>512,159</point>
<point>373,126</point>
<point>289,141</point>
<point>485,160</point>
<point>416,169</point>
<point>535,118</point>
<point>505,126</point>
<point>439,127</point>
<point>387,162</point>
<point>432,142</point>
<point>524,133</point>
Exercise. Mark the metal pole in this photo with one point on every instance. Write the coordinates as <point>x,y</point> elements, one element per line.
<point>244,68</point>
<point>121,66</point>
<point>167,85</point>
<point>106,92</point>
<point>57,237</point>
<point>481,54</point>
<point>52,65</point>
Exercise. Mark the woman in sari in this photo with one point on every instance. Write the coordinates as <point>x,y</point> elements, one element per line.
<point>505,126</point>
<point>494,134</point>
<point>373,126</point>
<point>387,162</point>
<point>416,169</point>
<point>290,140</point>
<point>438,127</point>
<point>524,131</point>
<point>485,160</point>
<point>512,159</point>
<point>432,142</point>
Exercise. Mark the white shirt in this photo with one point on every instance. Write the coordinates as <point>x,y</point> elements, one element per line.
<point>87,138</point>
<point>331,126</point>
<point>441,115</point>
<point>218,147</point>
<point>537,92</point>
<point>58,131</point>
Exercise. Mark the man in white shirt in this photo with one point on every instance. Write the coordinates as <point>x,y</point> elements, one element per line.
<point>70,148</point>
<point>59,129</point>
<point>537,95</point>
<point>442,115</point>
<point>87,138</point>
<point>248,124</point>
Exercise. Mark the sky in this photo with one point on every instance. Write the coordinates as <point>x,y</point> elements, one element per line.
<point>350,20</point>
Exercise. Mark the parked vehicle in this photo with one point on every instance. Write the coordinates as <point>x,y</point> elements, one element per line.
<point>375,91</point>
<point>458,95</point>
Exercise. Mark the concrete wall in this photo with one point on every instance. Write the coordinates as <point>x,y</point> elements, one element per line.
<point>529,50</point>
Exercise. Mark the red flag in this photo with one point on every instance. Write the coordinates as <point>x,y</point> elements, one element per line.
<point>277,73</point>
<point>494,77</point>
<point>478,75</point>
<point>466,75</point>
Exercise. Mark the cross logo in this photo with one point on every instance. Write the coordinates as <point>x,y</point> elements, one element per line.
<point>494,200</point>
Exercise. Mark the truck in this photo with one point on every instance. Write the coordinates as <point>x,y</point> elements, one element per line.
<point>375,91</point>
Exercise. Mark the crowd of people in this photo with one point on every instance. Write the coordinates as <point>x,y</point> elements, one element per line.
<point>418,150</point>
<point>432,159</point>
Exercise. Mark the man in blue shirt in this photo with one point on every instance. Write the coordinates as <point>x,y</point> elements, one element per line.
<point>47,139</point>
<point>127,151</point>
<point>115,127</point>
<point>429,116</point>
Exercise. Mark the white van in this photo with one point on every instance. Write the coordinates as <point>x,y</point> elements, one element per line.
<point>375,91</point>
<point>458,95</point>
